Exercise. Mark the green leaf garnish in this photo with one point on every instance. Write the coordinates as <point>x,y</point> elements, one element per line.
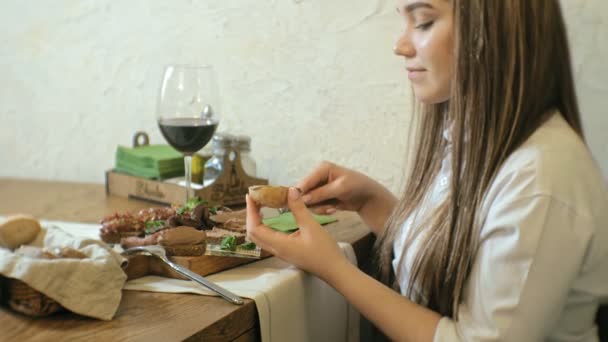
<point>247,246</point>
<point>228,243</point>
<point>154,226</point>
<point>191,204</point>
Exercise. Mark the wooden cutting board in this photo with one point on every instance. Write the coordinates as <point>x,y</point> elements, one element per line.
<point>141,265</point>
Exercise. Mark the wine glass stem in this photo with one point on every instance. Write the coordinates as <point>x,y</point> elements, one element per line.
<point>188,168</point>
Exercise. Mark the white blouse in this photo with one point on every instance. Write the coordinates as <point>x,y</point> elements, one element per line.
<point>542,265</point>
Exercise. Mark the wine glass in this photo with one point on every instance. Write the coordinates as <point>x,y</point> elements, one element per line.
<point>188,110</point>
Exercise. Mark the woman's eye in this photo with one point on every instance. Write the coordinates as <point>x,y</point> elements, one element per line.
<point>425,26</point>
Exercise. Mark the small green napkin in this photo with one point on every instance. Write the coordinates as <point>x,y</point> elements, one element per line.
<point>287,223</point>
<point>150,161</point>
<point>150,155</point>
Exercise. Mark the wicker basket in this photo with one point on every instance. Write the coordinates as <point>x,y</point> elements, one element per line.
<point>24,299</point>
<point>2,289</point>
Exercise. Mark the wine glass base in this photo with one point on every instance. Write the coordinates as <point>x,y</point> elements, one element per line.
<point>182,182</point>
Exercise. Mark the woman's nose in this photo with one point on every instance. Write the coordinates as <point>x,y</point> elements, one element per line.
<point>403,46</point>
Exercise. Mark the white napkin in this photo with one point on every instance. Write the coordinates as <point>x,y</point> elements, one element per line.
<point>292,305</point>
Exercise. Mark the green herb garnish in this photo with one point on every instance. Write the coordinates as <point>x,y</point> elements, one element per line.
<point>228,243</point>
<point>154,226</point>
<point>247,246</point>
<point>191,204</point>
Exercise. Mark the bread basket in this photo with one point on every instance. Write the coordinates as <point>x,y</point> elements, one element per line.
<point>24,299</point>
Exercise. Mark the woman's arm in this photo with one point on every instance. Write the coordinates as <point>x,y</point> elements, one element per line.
<point>312,249</point>
<point>377,209</point>
<point>397,317</point>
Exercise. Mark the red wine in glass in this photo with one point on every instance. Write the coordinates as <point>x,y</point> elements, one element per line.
<point>187,135</point>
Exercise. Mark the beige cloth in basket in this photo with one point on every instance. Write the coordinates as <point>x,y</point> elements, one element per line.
<point>90,287</point>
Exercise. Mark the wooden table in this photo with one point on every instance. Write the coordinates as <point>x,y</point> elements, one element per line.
<point>142,316</point>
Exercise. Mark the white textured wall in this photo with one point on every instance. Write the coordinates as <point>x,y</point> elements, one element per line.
<point>307,79</point>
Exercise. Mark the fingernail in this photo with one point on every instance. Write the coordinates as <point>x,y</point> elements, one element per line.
<point>330,210</point>
<point>306,198</point>
<point>294,193</point>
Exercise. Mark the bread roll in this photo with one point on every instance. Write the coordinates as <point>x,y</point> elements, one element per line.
<point>269,196</point>
<point>18,230</point>
<point>68,252</point>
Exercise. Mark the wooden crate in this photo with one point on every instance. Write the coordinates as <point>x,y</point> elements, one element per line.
<point>229,189</point>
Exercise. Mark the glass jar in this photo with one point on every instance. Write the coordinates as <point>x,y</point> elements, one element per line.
<point>221,142</point>
<point>242,143</point>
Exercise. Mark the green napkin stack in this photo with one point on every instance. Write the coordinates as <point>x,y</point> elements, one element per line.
<point>287,223</point>
<point>150,161</point>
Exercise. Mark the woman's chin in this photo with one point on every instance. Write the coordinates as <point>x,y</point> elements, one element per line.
<point>429,97</point>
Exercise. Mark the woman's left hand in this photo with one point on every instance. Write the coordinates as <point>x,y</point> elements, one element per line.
<point>311,248</point>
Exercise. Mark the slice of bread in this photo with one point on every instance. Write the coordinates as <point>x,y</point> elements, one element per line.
<point>114,237</point>
<point>216,235</point>
<point>185,250</point>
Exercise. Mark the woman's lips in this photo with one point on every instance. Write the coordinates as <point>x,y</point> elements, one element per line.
<point>415,73</point>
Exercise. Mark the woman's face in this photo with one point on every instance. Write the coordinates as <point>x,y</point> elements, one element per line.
<point>427,45</point>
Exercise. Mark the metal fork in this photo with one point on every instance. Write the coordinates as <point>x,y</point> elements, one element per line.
<point>159,252</point>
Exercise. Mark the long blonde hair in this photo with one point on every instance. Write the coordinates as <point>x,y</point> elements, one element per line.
<point>512,66</point>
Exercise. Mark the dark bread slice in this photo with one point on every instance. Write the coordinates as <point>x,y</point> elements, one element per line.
<point>114,237</point>
<point>186,250</point>
<point>216,235</point>
<point>235,225</point>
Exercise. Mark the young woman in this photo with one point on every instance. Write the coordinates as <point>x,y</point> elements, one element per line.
<point>501,233</point>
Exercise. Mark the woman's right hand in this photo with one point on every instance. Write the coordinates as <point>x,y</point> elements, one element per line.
<point>330,187</point>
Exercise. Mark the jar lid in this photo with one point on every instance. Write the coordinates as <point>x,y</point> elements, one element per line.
<point>223,140</point>
<point>242,142</point>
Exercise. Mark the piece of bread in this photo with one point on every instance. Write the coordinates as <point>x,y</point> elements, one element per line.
<point>120,225</point>
<point>67,253</point>
<point>269,196</point>
<point>182,235</point>
<point>18,230</point>
<point>216,235</point>
<point>223,216</point>
<point>114,237</point>
<point>186,250</point>
<point>34,252</point>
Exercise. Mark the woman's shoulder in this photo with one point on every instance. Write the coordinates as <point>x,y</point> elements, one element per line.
<point>554,162</point>
<point>551,183</point>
